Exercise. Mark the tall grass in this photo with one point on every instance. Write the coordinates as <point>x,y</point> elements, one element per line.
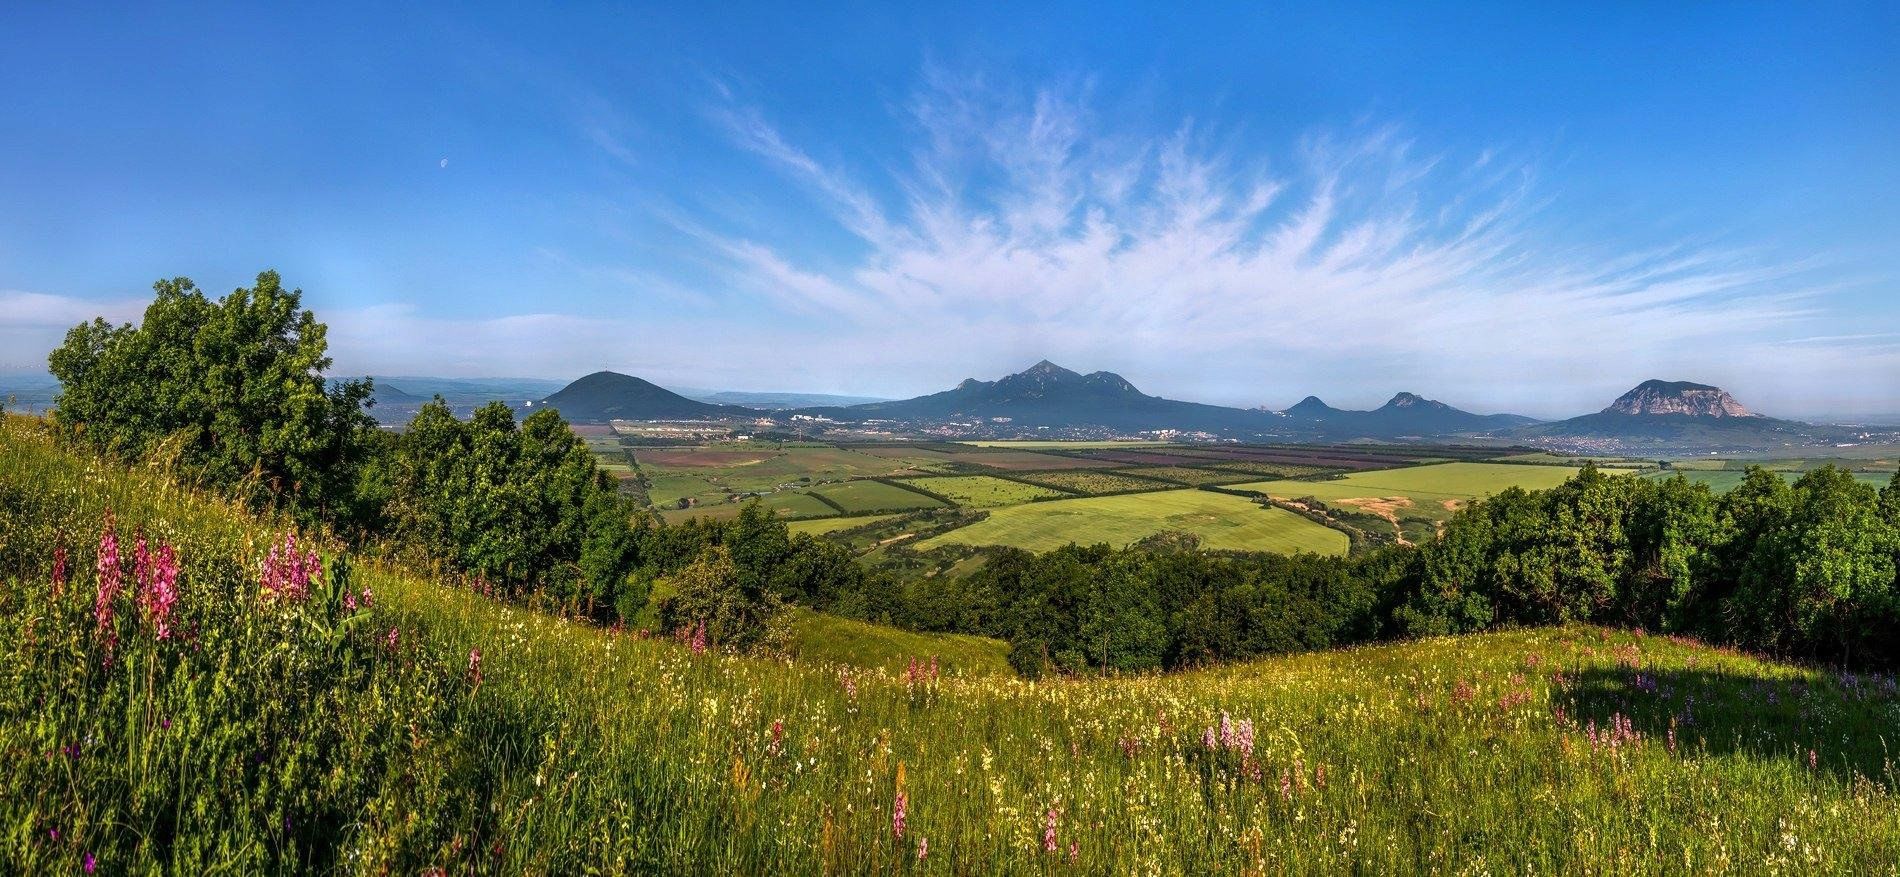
<point>571,749</point>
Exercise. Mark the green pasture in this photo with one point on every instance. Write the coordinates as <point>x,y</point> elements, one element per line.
<point>984,491</point>
<point>1221,520</point>
<point>870,496</point>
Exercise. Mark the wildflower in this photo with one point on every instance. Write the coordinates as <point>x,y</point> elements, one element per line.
<point>1226,731</point>
<point>1814,761</point>
<point>901,806</point>
<point>475,665</point>
<point>1286,785</point>
<point>1049,825</point>
<point>699,639</point>
<point>1319,775</point>
<point>778,737</point>
<point>1075,851</point>
<point>287,574</point>
<point>108,568</point>
<point>1207,738</point>
<point>92,864</point>
<point>391,638</point>
<point>923,848</point>
<point>157,574</point>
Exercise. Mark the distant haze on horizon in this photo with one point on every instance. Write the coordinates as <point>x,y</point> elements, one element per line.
<point>1505,209</point>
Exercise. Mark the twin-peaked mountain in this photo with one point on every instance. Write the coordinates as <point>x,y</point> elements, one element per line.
<point>1049,395</point>
<point>1406,414</point>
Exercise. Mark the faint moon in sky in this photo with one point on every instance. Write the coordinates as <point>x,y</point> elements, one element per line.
<point>445,162</point>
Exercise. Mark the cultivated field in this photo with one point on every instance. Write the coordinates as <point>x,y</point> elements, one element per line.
<point>984,491</point>
<point>1222,521</point>
<point>1093,483</point>
<point>821,526</point>
<point>1192,476</point>
<point>869,496</point>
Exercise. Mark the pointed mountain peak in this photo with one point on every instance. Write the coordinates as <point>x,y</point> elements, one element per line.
<point>1414,400</point>
<point>1310,406</point>
<point>1045,367</point>
<point>1677,397</point>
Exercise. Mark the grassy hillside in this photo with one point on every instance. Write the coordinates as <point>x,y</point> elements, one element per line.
<point>1222,521</point>
<point>821,638</point>
<point>570,749</point>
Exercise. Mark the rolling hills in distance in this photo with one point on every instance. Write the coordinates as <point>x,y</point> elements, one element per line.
<point>1049,401</point>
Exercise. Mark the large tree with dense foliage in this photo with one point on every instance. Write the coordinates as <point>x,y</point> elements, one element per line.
<point>522,506</point>
<point>230,390</point>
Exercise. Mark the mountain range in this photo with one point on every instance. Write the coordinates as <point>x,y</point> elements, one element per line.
<point>1047,399</point>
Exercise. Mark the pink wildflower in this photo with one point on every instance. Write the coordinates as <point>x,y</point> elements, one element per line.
<point>392,638</point>
<point>287,573</point>
<point>1049,825</point>
<point>777,743</point>
<point>1207,738</point>
<point>108,568</point>
<point>157,573</point>
<point>1075,852</point>
<point>898,811</point>
<point>699,639</point>
<point>923,848</point>
<point>475,665</point>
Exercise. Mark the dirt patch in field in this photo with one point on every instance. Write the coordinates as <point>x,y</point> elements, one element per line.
<point>1452,505</point>
<point>1386,507</point>
<point>688,458</point>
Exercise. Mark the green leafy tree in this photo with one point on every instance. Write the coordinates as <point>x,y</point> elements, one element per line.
<point>711,591</point>
<point>231,391</point>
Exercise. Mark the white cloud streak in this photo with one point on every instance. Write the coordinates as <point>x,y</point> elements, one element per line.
<point>1023,226</point>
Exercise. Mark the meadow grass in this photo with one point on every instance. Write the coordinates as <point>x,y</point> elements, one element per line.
<point>1222,521</point>
<point>578,750</point>
<point>829,639</point>
<point>984,491</point>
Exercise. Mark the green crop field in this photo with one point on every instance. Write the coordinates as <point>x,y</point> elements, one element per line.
<point>447,732</point>
<point>984,491</point>
<point>1095,483</point>
<point>870,496</point>
<point>1222,521</point>
<point>821,526</point>
<point>1725,480</point>
<point>786,503</point>
<point>1434,484</point>
<point>1190,475</point>
<point>1032,444</point>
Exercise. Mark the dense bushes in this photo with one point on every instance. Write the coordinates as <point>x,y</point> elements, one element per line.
<point>523,507</point>
<point>1803,570</point>
<point>232,391</point>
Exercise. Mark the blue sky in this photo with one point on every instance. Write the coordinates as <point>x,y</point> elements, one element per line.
<point>1507,207</point>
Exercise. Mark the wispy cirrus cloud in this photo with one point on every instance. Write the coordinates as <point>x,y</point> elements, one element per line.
<point>1025,223</point>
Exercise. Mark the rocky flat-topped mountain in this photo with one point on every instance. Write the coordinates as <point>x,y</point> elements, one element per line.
<point>1674,415</point>
<point>1677,397</point>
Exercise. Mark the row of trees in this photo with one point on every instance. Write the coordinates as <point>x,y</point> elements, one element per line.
<point>1809,570</point>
